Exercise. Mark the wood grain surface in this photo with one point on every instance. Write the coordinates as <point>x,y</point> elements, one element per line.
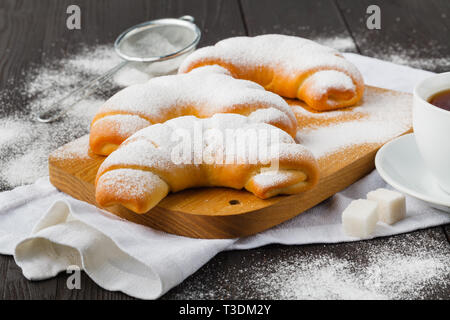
<point>33,31</point>
<point>414,32</point>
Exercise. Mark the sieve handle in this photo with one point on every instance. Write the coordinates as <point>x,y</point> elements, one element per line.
<point>60,107</point>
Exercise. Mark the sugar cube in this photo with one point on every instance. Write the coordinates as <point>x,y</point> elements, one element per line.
<point>360,218</point>
<point>391,205</point>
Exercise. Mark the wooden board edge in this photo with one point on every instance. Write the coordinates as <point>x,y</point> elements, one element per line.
<point>222,226</point>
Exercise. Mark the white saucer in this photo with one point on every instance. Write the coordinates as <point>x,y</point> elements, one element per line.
<point>400,164</point>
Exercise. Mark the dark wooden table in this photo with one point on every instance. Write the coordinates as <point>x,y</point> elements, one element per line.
<point>414,32</point>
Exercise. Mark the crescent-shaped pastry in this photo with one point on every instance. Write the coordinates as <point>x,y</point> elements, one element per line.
<point>201,93</point>
<point>226,150</point>
<point>292,67</point>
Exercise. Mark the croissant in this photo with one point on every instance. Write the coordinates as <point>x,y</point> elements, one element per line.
<point>227,150</point>
<point>292,67</point>
<point>201,93</point>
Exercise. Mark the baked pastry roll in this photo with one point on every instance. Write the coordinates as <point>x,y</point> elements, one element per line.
<point>292,67</point>
<point>226,150</point>
<point>201,93</point>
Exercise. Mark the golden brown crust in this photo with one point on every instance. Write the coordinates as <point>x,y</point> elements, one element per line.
<point>141,172</point>
<point>203,93</point>
<point>289,79</point>
<point>110,190</point>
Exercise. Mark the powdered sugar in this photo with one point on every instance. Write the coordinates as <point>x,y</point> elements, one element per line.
<point>270,115</point>
<point>135,182</point>
<point>380,118</point>
<point>188,152</point>
<point>124,124</point>
<point>419,264</point>
<point>389,275</point>
<point>409,266</point>
<point>340,42</point>
<point>185,133</point>
<point>431,55</point>
<point>271,178</point>
<point>210,89</point>
<point>12,131</point>
<point>285,65</point>
<point>44,84</point>
<point>25,168</point>
<point>158,41</point>
<point>419,62</point>
<point>202,92</point>
<point>292,54</point>
<point>78,149</point>
<point>25,143</point>
<point>332,79</point>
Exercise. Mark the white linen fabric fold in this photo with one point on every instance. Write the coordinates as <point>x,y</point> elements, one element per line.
<point>47,231</point>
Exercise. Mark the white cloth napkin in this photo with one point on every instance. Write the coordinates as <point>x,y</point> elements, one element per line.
<point>47,231</point>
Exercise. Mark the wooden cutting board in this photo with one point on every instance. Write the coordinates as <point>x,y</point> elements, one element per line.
<point>228,213</point>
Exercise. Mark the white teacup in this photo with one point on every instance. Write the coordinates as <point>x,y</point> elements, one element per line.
<point>432,128</point>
